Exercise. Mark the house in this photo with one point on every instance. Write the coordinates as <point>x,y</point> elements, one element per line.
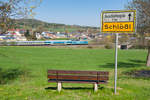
<point>2,36</point>
<point>16,34</point>
<point>48,35</point>
<point>61,35</point>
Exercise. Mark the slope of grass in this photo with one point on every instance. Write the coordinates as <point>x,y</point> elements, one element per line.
<point>33,63</point>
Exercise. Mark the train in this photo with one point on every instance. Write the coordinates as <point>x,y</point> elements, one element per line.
<point>46,43</point>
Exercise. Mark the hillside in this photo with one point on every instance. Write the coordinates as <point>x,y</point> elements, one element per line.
<point>36,24</point>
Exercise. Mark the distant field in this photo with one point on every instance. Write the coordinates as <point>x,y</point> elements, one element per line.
<point>63,29</point>
<point>27,68</point>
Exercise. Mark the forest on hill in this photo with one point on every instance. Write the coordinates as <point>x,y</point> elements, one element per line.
<point>38,24</point>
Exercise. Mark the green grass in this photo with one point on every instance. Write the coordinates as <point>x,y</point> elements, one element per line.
<point>31,65</point>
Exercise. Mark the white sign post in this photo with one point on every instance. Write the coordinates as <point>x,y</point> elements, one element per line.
<point>116,60</point>
<point>118,22</point>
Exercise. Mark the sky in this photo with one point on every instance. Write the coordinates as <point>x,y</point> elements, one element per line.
<point>76,12</point>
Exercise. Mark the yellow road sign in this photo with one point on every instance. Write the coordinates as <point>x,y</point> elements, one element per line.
<point>118,21</point>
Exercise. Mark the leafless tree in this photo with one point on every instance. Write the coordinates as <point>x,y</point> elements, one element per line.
<point>143,19</point>
<point>14,9</point>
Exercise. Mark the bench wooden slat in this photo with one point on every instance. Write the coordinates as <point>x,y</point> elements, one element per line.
<point>78,77</point>
<point>77,72</point>
<point>100,82</point>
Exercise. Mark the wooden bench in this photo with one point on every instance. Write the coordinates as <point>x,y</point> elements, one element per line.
<point>68,76</point>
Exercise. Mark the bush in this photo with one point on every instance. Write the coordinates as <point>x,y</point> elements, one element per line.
<point>138,47</point>
<point>142,73</point>
<point>3,43</point>
<point>89,47</point>
<point>109,46</point>
<point>9,74</point>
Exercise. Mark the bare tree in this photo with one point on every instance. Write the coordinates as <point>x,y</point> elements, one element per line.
<point>5,11</point>
<point>14,9</point>
<point>143,19</point>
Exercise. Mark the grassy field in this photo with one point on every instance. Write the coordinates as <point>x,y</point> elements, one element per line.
<point>23,73</point>
<point>63,29</point>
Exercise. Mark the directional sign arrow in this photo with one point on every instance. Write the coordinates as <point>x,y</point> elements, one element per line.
<point>129,17</point>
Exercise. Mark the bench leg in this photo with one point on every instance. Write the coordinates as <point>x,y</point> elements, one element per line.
<point>95,87</point>
<point>59,85</point>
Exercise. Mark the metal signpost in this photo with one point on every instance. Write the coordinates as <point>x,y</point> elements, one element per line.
<point>118,22</point>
